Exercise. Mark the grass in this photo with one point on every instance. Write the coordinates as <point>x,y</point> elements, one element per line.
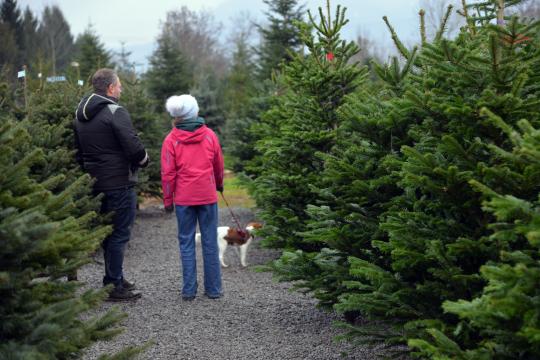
<point>235,193</point>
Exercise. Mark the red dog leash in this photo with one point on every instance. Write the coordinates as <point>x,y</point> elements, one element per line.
<point>232,214</point>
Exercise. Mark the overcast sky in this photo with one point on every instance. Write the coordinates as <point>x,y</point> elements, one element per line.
<point>137,22</point>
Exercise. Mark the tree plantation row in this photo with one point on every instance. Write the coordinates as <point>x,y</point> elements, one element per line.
<point>411,201</point>
<point>403,194</point>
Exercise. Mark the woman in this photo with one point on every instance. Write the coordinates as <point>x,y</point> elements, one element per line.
<point>191,172</point>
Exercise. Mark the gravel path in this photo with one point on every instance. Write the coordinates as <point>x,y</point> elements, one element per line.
<point>256,319</point>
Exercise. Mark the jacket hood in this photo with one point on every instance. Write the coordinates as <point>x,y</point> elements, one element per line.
<point>91,105</point>
<point>189,137</point>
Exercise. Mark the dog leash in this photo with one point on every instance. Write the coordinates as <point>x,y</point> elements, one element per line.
<point>232,214</point>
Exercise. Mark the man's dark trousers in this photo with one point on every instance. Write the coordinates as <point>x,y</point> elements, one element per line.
<point>123,203</point>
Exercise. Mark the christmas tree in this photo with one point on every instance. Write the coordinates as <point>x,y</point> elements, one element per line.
<point>49,122</point>
<point>90,54</point>
<point>384,218</point>
<point>281,38</point>
<point>438,235</point>
<point>301,125</point>
<point>49,228</point>
<point>208,93</point>
<point>168,74</point>
<point>151,127</point>
<point>505,316</point>
<point>356,187</point>
<point>238,104</point>
<point>43,240</point>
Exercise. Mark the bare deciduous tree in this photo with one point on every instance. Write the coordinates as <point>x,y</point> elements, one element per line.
<point>435,11</point>
<point>529,9</point>
<point>195,34</point>
<point>243,30</point>
<point>369,49</point>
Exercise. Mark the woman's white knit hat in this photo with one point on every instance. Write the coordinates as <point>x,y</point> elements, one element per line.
<point>183,106</point>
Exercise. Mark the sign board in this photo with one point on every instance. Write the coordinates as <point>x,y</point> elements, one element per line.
<point>56,78</point>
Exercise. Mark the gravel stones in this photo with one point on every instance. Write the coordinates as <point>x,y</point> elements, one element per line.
<point>256,319</point>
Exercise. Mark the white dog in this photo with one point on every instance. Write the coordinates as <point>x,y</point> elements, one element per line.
<point>223,243</point>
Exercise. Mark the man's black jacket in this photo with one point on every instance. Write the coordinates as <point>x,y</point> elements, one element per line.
<point>107,145</point>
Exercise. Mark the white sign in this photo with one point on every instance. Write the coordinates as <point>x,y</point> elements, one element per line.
<point>21,74</point>
<point>56,78</point>
<point>80,82</point>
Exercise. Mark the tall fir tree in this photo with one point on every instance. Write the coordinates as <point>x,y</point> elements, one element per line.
<point>9,49</point>
<point>10,15</point>
<point>151,128</point>
<point>168,74</point>
<point>281,37</point>
<point>125,67</point>
<point>238,94</point>
<point>31,46</point>
<point>302,125</point>
<point>240,79</point>
<point>57,39</point>
<point>90,54</point>
<point>208,92</point>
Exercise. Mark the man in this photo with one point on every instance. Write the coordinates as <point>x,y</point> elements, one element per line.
<point>111,152</point>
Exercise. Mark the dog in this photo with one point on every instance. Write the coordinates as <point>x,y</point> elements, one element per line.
<point>223,243</point>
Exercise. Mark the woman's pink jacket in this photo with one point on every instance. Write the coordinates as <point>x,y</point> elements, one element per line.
<point>191,167</point>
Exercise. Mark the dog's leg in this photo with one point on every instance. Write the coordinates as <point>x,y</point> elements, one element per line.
<point>222,247</point>
<point>243,252</point>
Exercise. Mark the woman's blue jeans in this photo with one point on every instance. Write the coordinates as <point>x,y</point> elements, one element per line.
<point>207,217</point>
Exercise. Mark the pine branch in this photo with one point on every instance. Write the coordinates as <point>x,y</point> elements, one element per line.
<point>423,37</point>
<point>399,45</point>
<point>444,22</point>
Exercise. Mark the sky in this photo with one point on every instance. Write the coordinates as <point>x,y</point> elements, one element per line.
<point>137,23</point>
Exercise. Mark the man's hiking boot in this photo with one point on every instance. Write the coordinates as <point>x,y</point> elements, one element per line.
<point>120,293</point>
<point>127,285</point>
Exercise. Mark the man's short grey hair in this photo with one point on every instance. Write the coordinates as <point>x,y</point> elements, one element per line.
<point>102,79</point>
